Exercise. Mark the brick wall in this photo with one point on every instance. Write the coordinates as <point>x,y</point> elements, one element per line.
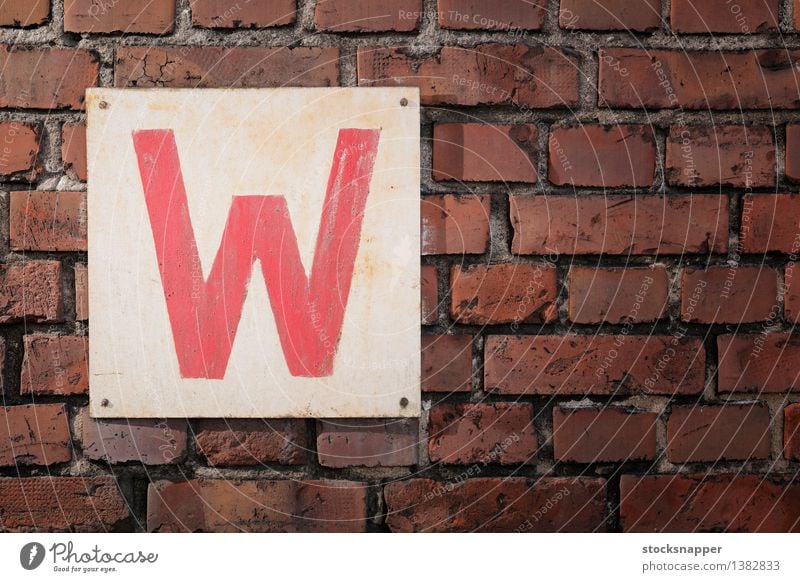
<point>609,230</point>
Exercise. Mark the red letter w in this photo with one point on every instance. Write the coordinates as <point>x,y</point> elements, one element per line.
<point>309,311</point>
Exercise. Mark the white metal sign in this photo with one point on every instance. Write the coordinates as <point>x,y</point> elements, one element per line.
<point>254,252</point>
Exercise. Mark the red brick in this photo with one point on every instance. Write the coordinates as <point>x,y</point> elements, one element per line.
<point>75,504</point>
<point>726,432</point>
<point>487,153</point>
<point>770,223</point>
<point>446,363</point>
<point>602,155</point>
<point>34,434</point>
<point>793,151</point>
<point>619,225</point>
<point>430,294</point>
<point>503,293</point>
<point>455,224</point>
<point>73,150</point>
<point>487,74</point>
<point>24,12</point>
<point>368,443</point>
<point>594,364</point>
<point>153,16</point>
<point>147,441</point>
<point>796,14</point>
<point>237,14</point>
<point>55,364</point>
<point>735,294</point>
<point>727,155</point>
<point>618,295</point>
<point>205,505</point>
<point>709,503</point>
<point>81,292</point>
<point>713,79</point>
<point>503,15</point>
<point>498,433</point>
<point>496,504</point>
<point>210,66</point>
<point>46,78</point>
<point>636,15</point>
<point>20,148</point>
<point>791,296</point>
<point>31,291</point>
<point>791,432</point>
<point>593,435</point>
<point>242,442</point>
<point>48,221</point>
<point>765,362</point>
<point>373,16</point>
<point>741,17</point>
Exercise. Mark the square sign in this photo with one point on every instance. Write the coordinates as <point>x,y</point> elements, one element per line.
<point>254,252</point>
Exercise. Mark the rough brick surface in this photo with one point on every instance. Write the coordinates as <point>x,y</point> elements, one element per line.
<point>617,225</point>
<point>500,433</point>
<point>34,434</point>
<point>764,362</point>
<point>749,16</point>
<point>256,506</point>
<point>73,150</point>
<point>504,293</point>
<point>504,15</point>
<point>639,15</point>
<point>31,290</point>
<point>601,364</point>
<point>430,294</point>
<point>602,156</point>
<point>237,14</point>
<point>375,16</point>
<point>709,503</point>
<point>735,294</point>
<point>19,148</point>
<point>769,223</point>
<point>593,435</point>
<point>24,12</point>
<point>55,365</point>
<point>368,443</point>
<point>476,152</point>
<point>618,295</point>
<point>446,363</point>
<point>793,151</point>
<point>496,505</point>
<point>246,442</point>
<point>48,221</point>
<point>153,16</point>
<point>455,224</point>
<point>712,433</point>
<point>791,297</point>
<point>791,432</point>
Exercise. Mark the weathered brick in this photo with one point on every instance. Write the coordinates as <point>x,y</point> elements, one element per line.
<point>153,16</point>
<point>709,503</point>
<point>455,224</point>
<point>602,155</point>
<point>503,293</point>
<point>729,155</point>
<point>373,16</point>
<point>618,295</point>
<point>765,362</point>
<point>24,12</point>
<point>791,432</point>
<point>256,506</point>
<point>619,225</point>
<point>46,78</point>
<point>487,74</point>
<point>55,364</point>
<point>73,150</point>
<point>486,153</point>
<point>48,221</point>
<point>368,443</point>
<point>31,291</point>
<point>237,14</point>
<point>209,66</point>
<point>594,435</point>
<point>19,148</point>
<point>713,433</point>
<point>793,151</point>
<point>81,292</point>
<point>242,442</point>
<point>791,295</point>
<point>713,79</point>
<point>430,294</point>
<point>741,17</point>
<point>34,434</point>
<point>147,441</point>
<point>496,505</point>
<point>503,15</point>
<point>734,294</point>
<point>594,364</point>
<point>446,363</point>
<point>636,15</point>
<point>498,433</point>
<point>770,223</point>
